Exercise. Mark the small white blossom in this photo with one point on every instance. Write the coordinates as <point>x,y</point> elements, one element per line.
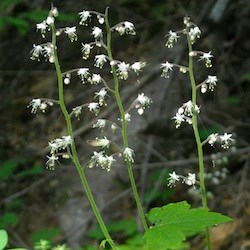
<point>194,33</point>
<point>212,82</point>
<point>142,102</point>
<point>99,142</point>
<point>137,66</point>
<point>48,52</point>
<point>77,111</point>
<point>35,104</point>
<point>226,140</point>
<point>203,88</point>
<point>50,20</point>
<point>172,38</point>
<point>101,95</point>
<point>51,161</point>
<point>84,16</point>
<point>206,57</point>
<point>60,143</point>
<point>102,160</point>
<point>94,107</point>
<point>100,19</point>
<point>212,138</point>
<point>128,154</point>
<point>71,33</point>
<point>86,48</point>
<point>100,123</point>
<point>166,68</point>
<point>83,73</point>
<point>179,118</point>
<point>36,52</point>
<point>173,178</point>
<point>127,117</point>
<point>100,60</point>
<point>122,70</point>
<point>125,27</point>
<point>97,32</point>
<point>190,180</point>
<point>96,78</point>
<point>42,27</point>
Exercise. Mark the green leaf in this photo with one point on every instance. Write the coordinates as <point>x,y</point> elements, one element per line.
<point>3,239</point>
<point>8,219</point>
<point>45,234</point>
<point>174,222</point>
<point>35,170</point>
<point>7,169</point>
<point>20,24</point>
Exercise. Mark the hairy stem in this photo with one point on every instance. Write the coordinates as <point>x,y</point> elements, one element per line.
<point>73,146</point>
<point>197,136</point>
<point>124,125</point>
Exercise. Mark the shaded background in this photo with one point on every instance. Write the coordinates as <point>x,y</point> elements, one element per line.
<point>38,203</point>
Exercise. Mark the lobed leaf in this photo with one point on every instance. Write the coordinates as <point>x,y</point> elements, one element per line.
<point>173,223</point>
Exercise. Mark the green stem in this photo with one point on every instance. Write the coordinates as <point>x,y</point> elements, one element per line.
<point>124,125</point>
<point>73,146</point>
<point>197,136</point>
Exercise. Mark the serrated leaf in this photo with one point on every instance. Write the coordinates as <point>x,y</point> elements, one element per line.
<point>174,222</point>
<point>3,239</point>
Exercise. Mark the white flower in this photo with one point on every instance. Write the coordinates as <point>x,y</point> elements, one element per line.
<point>226,140</point>
<point>137,66</point>
<point>101,95</point>
<point>77,111</point>
<point>84,16</point>
<point>212,82</point>
<point>100,60</point>
<point>122,70</point>
<point>35,104</point>
<point>188,108</point>
<point>50,20</point>
<point>96,78</point>
<point>102,160</point>
<point>141,102</point>
<point>101,19</point>
<point>83,73</point>
<point>212,138</point>
<point>172,38</point>
<point>97,32</point>
<point>36,52</point>
<point>100,123</point>
<point>128,153</point>
<point>99,142</point>
<point>48,52</point>
<point>42,27</point>
<point>206,57</point>
<point>194,33</point>
<point>190,179</point>
<point>51,161</point>
<point>94,107</point>
<point>71,33</point>
<point>173,178</point>
<point>60,143</point>
<point>129,28</point>
<point>166,67</point>
<point>203,88</point>
<point>179,118</point>
<point>86,48</point>
<point>126,27</point>
<point>127,117</point>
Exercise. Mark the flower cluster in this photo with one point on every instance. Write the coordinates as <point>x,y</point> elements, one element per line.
<point>102,160</point>
<point>189,180</point>
<point>225,140</point>
<point>141,103</point>
<point>209,83</point>
<point>57,145</point>
<point>125,28</point>
<point>185,113</point>
<point>41,104</point>
<point>46,50</point>
<point>172,38</point>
